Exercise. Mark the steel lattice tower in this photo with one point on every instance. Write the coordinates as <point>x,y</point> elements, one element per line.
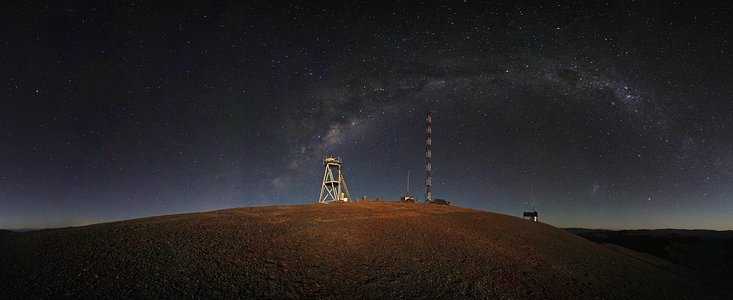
<point>331,188</point>
<point>429,157</point>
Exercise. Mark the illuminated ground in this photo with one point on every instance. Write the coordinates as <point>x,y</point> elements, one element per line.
<point>372,250</point>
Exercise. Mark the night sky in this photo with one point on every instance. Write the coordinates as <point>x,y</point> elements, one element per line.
<point>601,115</point>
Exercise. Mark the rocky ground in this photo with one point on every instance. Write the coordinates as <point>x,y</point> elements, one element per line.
<point>360,250</point>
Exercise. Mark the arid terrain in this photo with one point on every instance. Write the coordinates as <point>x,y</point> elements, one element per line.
<point>706,252</point>
<point>359,250</point>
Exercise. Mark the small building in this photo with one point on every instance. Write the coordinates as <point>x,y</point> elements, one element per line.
<point>438,202</point>
<point>530,215</point>
<point>408,199</point>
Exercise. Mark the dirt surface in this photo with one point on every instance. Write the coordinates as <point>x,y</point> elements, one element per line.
<point>370,250</point>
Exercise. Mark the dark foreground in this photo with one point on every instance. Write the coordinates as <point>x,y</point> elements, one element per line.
<point>372,250</point>
<point>706,252</point>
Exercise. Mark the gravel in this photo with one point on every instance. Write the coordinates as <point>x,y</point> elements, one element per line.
<point>358,250</point>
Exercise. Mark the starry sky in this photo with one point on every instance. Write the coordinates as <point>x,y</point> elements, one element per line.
<point>598,114</point>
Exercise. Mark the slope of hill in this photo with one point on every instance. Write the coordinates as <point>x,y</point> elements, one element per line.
<point>708,252</point>
<point>5,232</point>
<point>372,250</point>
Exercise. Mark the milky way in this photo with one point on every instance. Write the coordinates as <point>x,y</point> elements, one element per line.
<point>597,115</point>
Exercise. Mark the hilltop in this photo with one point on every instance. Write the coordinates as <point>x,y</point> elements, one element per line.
<point>360,250</point>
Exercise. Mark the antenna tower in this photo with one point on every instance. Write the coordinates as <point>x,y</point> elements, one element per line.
<point>429,158</point>
<point>331,188</point>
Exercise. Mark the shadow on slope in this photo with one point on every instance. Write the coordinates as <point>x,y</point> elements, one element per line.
<point>707,252</point>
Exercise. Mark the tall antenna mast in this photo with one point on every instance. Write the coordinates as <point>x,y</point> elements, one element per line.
<point>429,157</point>
<point>408,182</point>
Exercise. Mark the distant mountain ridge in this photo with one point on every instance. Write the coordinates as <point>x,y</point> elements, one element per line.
<point>19,230</point>
<point>709,252</point>
<point>6,232</point>
<point>667,232</point>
